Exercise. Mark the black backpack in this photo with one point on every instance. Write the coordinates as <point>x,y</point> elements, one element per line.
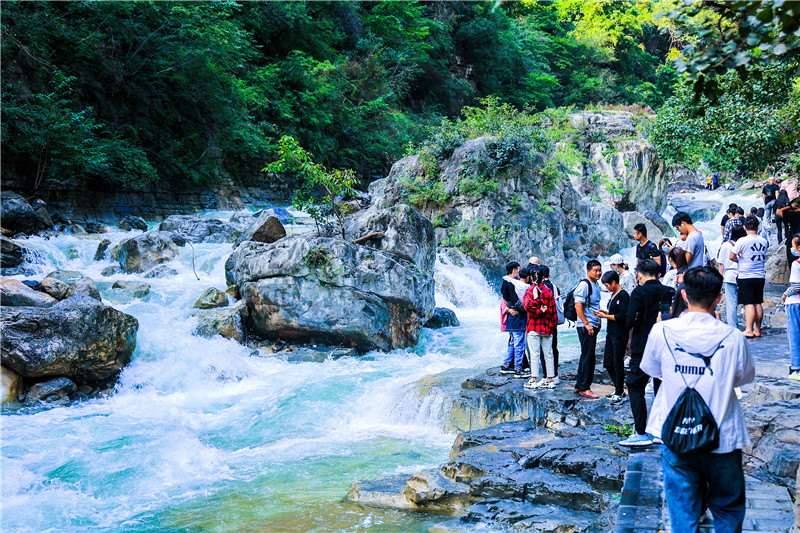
<point>569,304</point>
<point>690,425</point>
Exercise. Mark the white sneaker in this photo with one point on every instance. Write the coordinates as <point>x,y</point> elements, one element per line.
<point>794,374</point>
<point>556,381</point>
<point>637,440</point>
<point>544,384</point>
<point>531,384</point>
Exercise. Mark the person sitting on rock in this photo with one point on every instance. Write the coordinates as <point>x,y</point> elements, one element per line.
<point>791,302</point>
<point>697,350</point>
<point>643,311</point>
<point>540,305</point>
<point>516,321</point>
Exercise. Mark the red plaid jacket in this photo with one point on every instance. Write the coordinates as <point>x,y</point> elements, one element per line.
<point>542,322</point>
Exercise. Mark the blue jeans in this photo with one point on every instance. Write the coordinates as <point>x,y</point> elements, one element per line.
<point>692,478</point>
<point>731,299</point>
<point>515,351</point>
<point>793,330</point>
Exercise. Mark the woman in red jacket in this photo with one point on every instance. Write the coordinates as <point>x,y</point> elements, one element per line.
<point>542,318</point>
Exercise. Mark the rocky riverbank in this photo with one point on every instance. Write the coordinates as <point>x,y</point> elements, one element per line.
<point>549,460</point>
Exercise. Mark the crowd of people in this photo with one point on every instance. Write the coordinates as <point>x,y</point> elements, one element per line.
<point>653,316</point>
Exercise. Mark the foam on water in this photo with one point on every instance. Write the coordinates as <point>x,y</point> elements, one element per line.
<point>201,434</point>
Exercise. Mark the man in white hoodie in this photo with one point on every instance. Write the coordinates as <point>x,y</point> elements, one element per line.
<point>699,351</point>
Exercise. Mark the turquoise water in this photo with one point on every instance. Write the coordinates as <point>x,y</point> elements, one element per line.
<point>202,435</point>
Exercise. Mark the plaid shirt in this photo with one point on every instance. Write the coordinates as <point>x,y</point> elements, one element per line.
<point>542,322</point>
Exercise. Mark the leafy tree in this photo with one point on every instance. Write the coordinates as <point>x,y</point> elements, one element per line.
<point>745,36</point>
<point>335,184</point>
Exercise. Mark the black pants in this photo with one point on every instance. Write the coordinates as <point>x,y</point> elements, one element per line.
<point>587,360</point>
<point>614,361</point>
<point>637,381</point>
<point>555,356</point>
<point>783,227</point>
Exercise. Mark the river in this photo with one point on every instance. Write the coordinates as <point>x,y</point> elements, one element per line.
<point>201,435</point>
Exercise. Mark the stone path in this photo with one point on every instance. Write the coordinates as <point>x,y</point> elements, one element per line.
<point>642,507</point>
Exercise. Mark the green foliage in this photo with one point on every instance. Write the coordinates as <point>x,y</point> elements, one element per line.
<point>621,431</point>
<point>739,35</point>
<point>335,184</point>
<point>614,186</point>
<point>477,238</point>
<point>752,124</point>
<point>423,193</point>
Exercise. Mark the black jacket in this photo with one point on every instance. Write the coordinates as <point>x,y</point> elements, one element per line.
<point>514,323</point>
<point>646,301</point>
<point>618,306</point>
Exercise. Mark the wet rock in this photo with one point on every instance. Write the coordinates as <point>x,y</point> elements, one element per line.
<point>425,491</point>
<point>112,270</point>
<point>266,228</point>
<point>526,516</point>
<point>75,229</point>
<point>146,251</point>
<point>132,289</point>
<point>11,385</point>
<point>96,227</point>
<point>775,431</point>
<point>13,253</point>
<point>79,338</point>
<point>777,266</point>
<point>50,390</point>
<point>211,298</point>
<point>327,290</point>
<point>162,271</point>
<point>100,253</point>
<point>282,213</point>
<point>699,210</point>
<point>84,287</point>
<point>233,292</point>
<point>242,218</point>
<point>442,318</point>
<point>18,216</point>
<point>227,322</point>
<point>131,222</point>
<point>318,355</point>
<point>196,229</point>
<point>15,293</point>
<point>67,276</point>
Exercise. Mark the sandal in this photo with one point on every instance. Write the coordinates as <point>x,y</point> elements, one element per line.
<point>530,384</point>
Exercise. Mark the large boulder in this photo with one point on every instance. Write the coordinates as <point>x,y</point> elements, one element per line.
<point>79,338</point>
<point>18,215</point>
<point>131,222</point>
<point>266,228</point>
<point>14,293</point>
<point>132,289</point>
<point>399,229</point>
<point>442,318</point>
<point>777,265</point>
<point>12,253</point>
<point>146,251</point>
<point>699,210</point>
<point>329,290</point>
<point>67,276</point>
<point>50,390</point>
<point>196,229</point>
<point>632,218</point>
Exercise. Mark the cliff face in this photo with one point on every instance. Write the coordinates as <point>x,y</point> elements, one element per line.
<point>511,215</point>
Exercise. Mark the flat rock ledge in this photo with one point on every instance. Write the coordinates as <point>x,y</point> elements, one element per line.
<point>549,460</point>
<point>528,461</point>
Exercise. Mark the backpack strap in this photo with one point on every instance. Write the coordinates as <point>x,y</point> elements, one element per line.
<point>589,285</point>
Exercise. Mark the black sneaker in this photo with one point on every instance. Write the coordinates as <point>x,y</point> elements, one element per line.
<point>522,374</point>
<point>507,370</point>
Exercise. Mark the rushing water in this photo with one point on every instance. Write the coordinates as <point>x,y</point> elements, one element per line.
<point>201,435</point>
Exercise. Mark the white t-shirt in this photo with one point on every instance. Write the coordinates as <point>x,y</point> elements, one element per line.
<point>753,255</point>
<point>626,280</point>
<point>670,278</point>
<point>695,245</point>
<point>794,277</point>
<point>730,366</point>
<point>730,269</point>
